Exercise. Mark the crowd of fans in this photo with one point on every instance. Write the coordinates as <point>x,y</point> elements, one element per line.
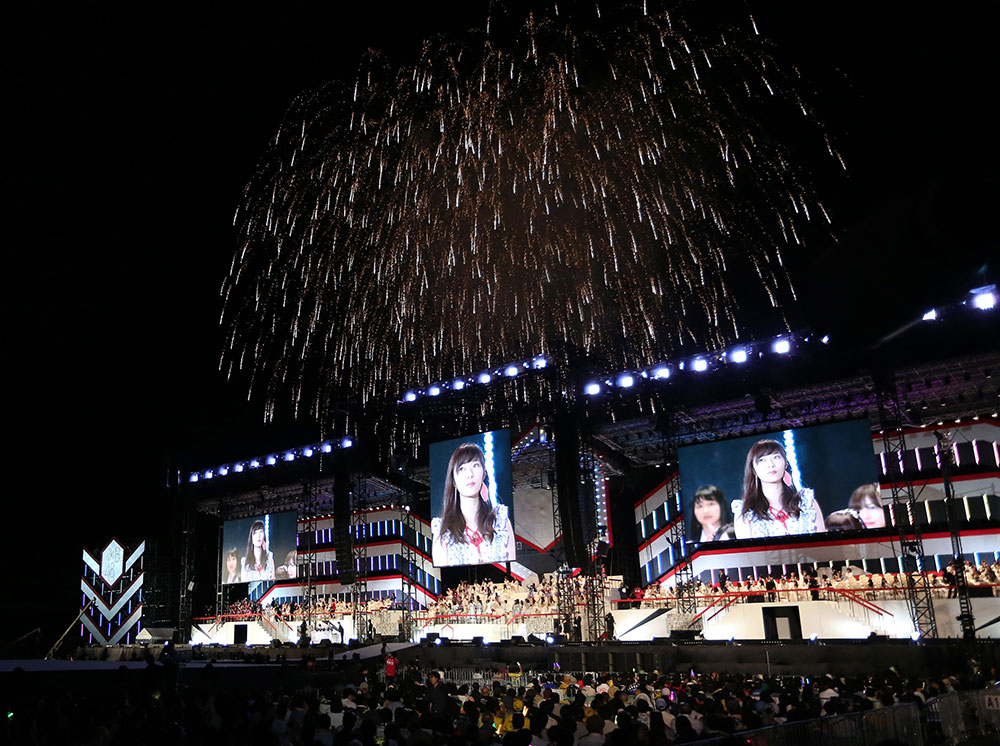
<point>384,703</point>
<point>984,578</point>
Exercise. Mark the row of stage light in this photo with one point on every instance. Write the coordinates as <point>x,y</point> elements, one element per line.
<point>978,299</point>
<point>272,459</point>
<point>738,355</point>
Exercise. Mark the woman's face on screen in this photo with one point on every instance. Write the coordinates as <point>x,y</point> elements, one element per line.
<point>231,564</point>
<point>871,514</point>
<point>707,512</point>
<point>469,478</point>
<point>258,537</point>
<point>770,468</point>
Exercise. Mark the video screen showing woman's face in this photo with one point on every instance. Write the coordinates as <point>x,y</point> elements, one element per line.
<point>472,515</point>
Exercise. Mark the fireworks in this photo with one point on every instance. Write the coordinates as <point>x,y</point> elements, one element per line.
<point>582,181</point>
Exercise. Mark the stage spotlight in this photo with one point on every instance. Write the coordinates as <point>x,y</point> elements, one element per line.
<point>626,380</point>
<point>307,451</point>
<point>592,389</point>
<point>781,346</point>
<point>699,365</point>
<point>208,474</point>
<point>512,370</point>
<point>984,298</point>
<point>434,391</point>
<point>826,339</point>
<point>458,384</point>
<point>238,468</point>
<point>813,637</point>
<point>289,455</point>
<point>193,478</point>
<point>539,362</point>
<point>738,355</point>
<point>437,641</point>
<point>549,639</point>
<point>346,443</point>
<point>930,315</point>
<point>255,464</point>
<point>410,396</point>
<point>915,635</point>
<point>327,447</point>
<point>485,377</point>
<point>223,471</point>
<point>662,372</point>
<point>271,460</point>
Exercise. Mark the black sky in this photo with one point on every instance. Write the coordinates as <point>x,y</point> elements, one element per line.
<point>134,132</point>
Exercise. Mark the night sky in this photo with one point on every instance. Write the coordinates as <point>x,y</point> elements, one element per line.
<point>133,134</point>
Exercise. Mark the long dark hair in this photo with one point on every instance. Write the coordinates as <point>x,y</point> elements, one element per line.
<point>452,520</point>
<point>753,497</point>
<point>251,560</point>
<point>711,493</point>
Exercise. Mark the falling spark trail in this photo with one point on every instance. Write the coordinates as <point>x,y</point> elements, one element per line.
<point>617,184</point>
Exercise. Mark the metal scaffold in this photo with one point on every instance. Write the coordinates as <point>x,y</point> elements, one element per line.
<point>904,501</point>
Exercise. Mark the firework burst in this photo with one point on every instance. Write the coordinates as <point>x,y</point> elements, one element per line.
<point>580,181</point>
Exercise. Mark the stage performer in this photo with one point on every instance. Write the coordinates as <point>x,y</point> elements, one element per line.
<point>867,500</point>
<point>232,569</point>
<point>771,506</point>
<point>712,520</point>
<point>258,564</point>
<point>470,530</point>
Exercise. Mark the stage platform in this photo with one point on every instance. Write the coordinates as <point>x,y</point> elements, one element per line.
<point>474,663</point>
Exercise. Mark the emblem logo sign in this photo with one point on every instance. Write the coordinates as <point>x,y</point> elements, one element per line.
<point>112,562</point>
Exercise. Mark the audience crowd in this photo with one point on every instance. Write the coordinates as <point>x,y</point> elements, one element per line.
<point>384,703</point>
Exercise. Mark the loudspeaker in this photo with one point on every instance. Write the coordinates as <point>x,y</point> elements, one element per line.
<point>240,634</point>
<point>568,488</point>
<point>477,641</point>
<point>342,519</point>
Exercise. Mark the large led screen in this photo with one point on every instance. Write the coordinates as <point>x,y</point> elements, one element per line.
<point>797,481</point>
<point>261,547</point>
<point>471,507</point>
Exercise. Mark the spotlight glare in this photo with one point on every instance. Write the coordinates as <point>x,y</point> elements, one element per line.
<point>223,471</point>
<point>813,637</point>
<point>512,370</point>
<point>307,451</point>
<point>255,464</point>
<point>915,635</point>
<point>592,389</point>
<point>458,384</point>
<point>327,447</point>
<point>984,299</point>
<point>485,377</point>
<point>930,315</point>
<point>410,396</point>
<point>626,380</point>
<point>209,474</point>
<point>434,390</point>
<point>271,460</point>
<point>193,478</point>
<point>550,639</point>
<point>662,373</point>
<point>539,362</point>
<point>738,355</point>
<point>238,468</point>
<point>289,455</point>
<point>346,443</point>
<point>781,346</point>
<point>699,364</point>
<point>826,339</point>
